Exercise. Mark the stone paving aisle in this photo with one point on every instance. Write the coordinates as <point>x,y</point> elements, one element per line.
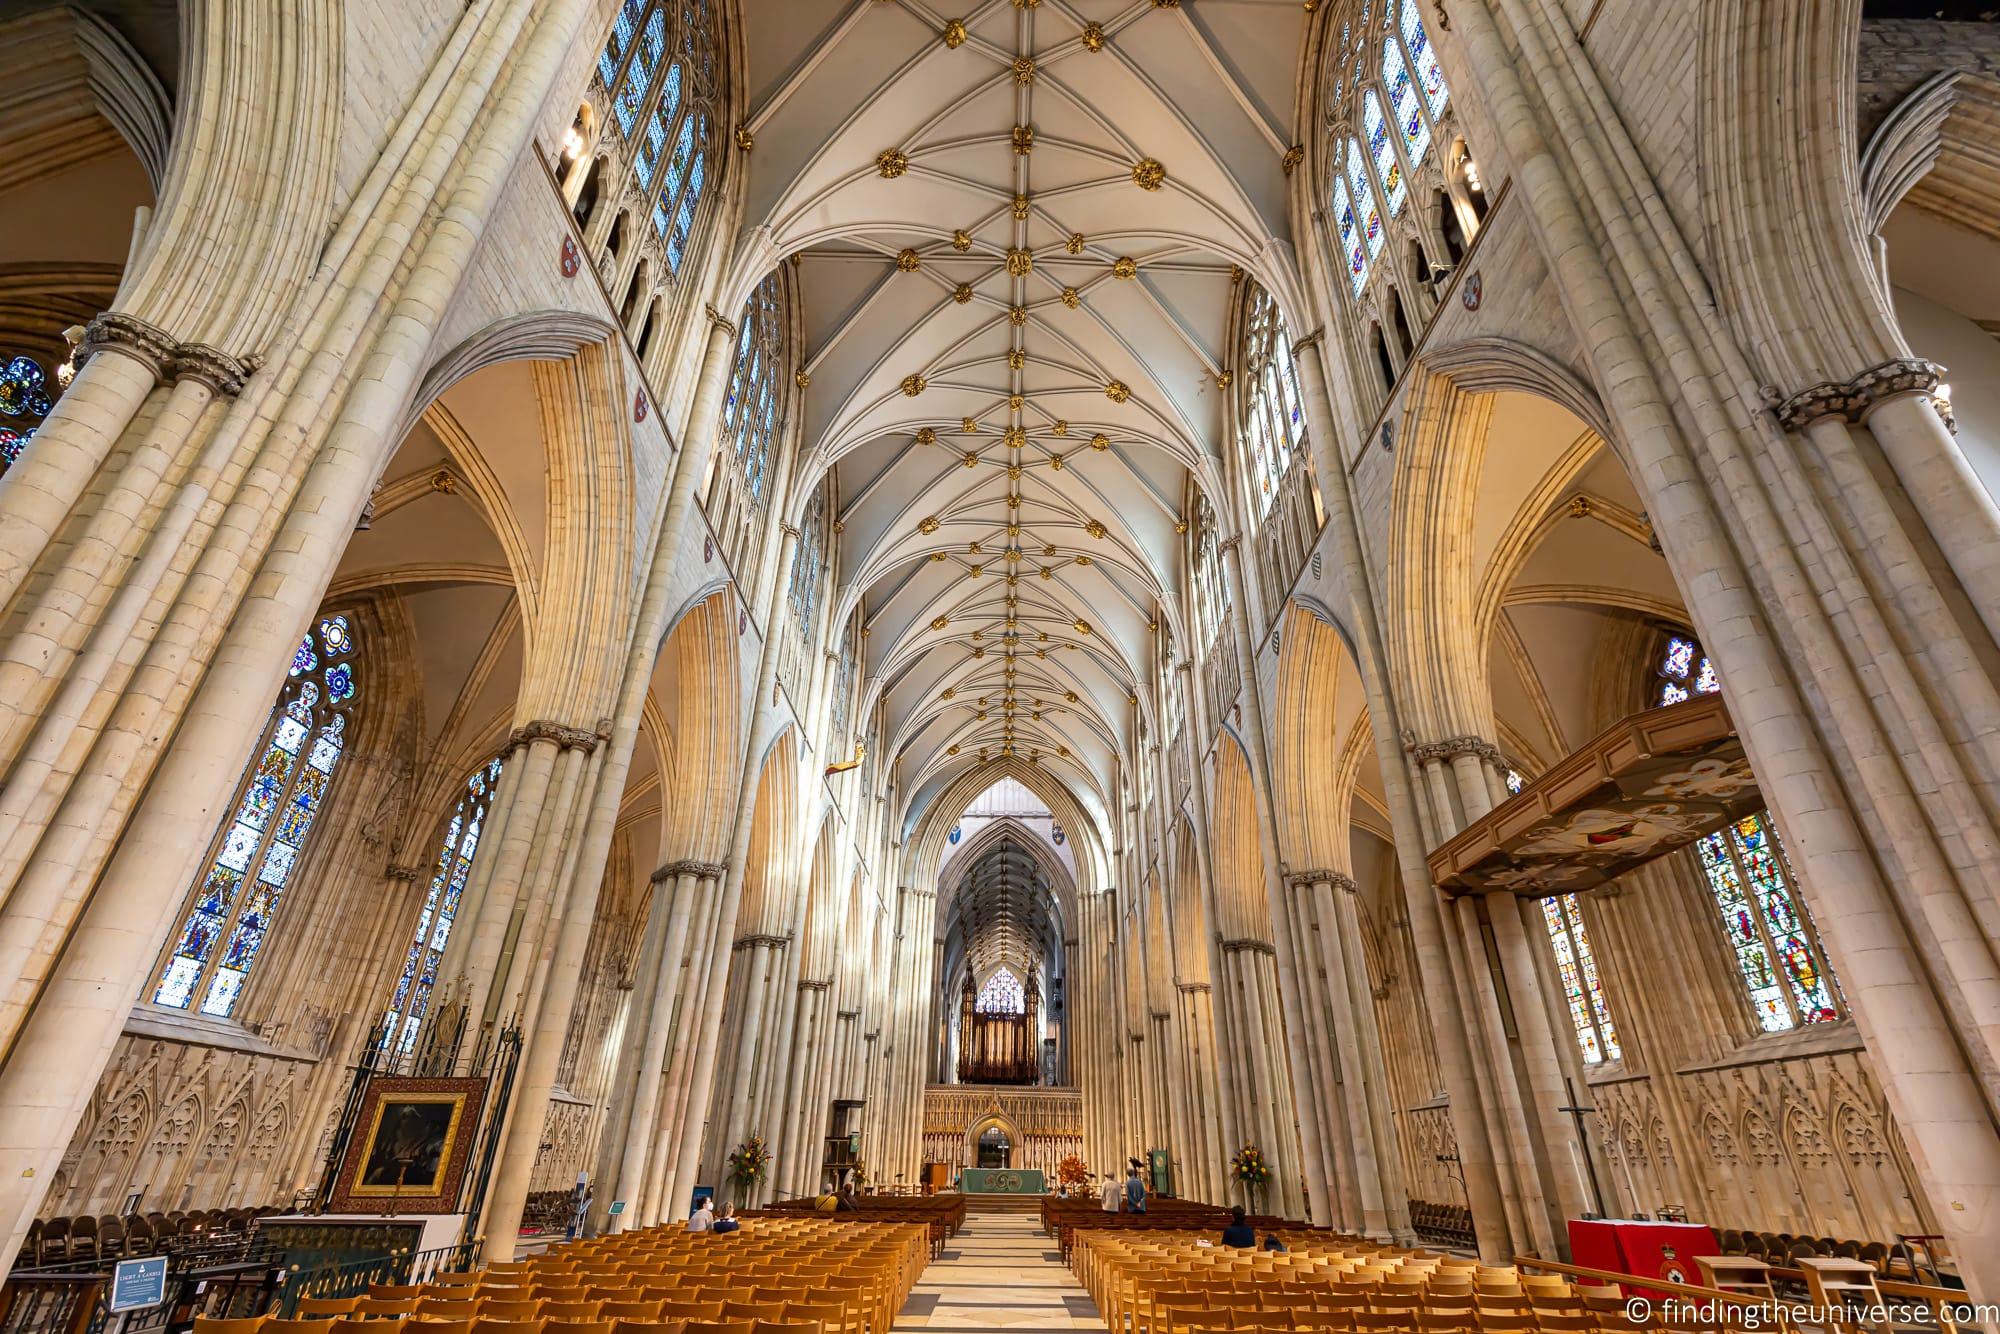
<point>999,1273</point>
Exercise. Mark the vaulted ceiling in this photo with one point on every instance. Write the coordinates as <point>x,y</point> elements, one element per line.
<point>1015,231</point>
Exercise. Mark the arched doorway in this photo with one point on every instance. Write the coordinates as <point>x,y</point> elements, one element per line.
<point>994,1148</point>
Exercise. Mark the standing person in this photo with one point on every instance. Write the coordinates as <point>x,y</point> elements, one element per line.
<point>1135,1193</point>
<point>703,1217</point>
<point>1110,1195</point>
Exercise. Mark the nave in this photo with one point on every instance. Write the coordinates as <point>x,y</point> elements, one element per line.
<point>1380,610</point>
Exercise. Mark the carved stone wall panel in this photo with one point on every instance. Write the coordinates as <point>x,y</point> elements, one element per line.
<point>183,1127</point>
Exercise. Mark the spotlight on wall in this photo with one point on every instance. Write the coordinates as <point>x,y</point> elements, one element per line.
<point>572,144</point>
<point>1941,400</point>
<point>1472,181</point>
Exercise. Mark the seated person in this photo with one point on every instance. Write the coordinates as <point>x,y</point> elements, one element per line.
<point>1238,1232</point>
<point>726,1221</point>
<point>1272,1243</point>
<point>703,1217</point>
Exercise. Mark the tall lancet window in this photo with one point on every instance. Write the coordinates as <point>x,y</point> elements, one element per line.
<point>258,851</point>
<point>658,69</point>
<point>808,562</point>
<point>1274,423</point>
<point>412,997</point>
<point>1583,990</point>
<point>1769,931</point>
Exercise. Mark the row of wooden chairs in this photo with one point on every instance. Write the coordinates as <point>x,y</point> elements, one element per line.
<point>109,1236</point>
<point>344,1325</point>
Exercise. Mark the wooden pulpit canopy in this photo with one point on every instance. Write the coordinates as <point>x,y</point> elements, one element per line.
<point>1647,785</point>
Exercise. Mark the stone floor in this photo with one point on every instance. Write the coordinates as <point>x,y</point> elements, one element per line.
<point>999,1273</point>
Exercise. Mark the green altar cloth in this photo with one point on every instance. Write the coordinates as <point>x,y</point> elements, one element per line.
<point>1001,1181</point>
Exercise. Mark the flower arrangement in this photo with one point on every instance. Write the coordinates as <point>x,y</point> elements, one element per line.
<point>1071,1171</point>
<point>749,1161</point>
<point>1249,1166</point>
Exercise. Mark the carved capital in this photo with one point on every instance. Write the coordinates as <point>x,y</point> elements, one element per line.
<point>1344,883</point>
<point>1249,945</point>
<point>1229,543</point>
<point>393,871</point>
<point>1191,988</point>
<point>128,335</point>
<point>815,983</point>
<point>224,375</point>
<point>720,320</point>
<point>1452,747</point>
<point>689,866</point>
<point>765,940</point>
<point>568,738</point>
<point>1858,397</point>
<point>1307,879</point>
<point>847,1014</point>
<point>1308,340</point>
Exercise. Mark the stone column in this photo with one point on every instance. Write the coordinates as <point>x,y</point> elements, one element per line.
<point>643,1066</point>
<point>1482,1181</point>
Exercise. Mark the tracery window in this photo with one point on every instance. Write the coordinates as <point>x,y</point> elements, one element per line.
<point>1002,994</point>
<point>24,401</point>
<point>809,562</point>
<point>842,703</point>
<point>411,1000</point>
<point>751,412</point>
<point>1583,990</point>
<point>658,71</point>
<point>1390,96</point>
<point>1274,423</point>
<point>1210,588</point>
<point>258,851</point>
<point>1768,928</point>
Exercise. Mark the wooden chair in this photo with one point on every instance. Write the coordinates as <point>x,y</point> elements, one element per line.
<point>721,1327</point>
<point>369,1308</point>
<point>1506,1322</point>
<point>787,1327</point>
<point>691,1311</point>
<point>325,1307</point>
<point>247,1325</point>
<point>458,1278</point>
<point>629,1308</point>
<point>352,1325</point>
<point>648,1326</point>
<point>583,1310</point>
<point>412,1291</point>
<point>297,1326</point>
<point>492,1308</point>
<point>1566,1322</point>
<point>442,1308</point>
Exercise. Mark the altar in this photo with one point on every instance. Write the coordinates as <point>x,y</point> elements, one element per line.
<point>1002,1181</point>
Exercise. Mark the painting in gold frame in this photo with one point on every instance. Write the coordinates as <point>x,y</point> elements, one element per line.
<point>410,1146</point>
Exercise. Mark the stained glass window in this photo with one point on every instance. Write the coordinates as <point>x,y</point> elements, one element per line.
<point>1403,102</point>
<point>1398,123</point>
<point>258,851</point>
<point>1583,990</point>
<point>1768,929</point>
<point>1429,76</point>
<point>751,413</point>
<point>1388,169</point>
<point>1364,198</point>
<point>1350,236</point>
<point>620,41</point>
<point>809,561</point>
<point>673,106</point>
<point>411,1000</point>
<point>1273,422</point>
<point>24,401</point>
<point>1002,994</point>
